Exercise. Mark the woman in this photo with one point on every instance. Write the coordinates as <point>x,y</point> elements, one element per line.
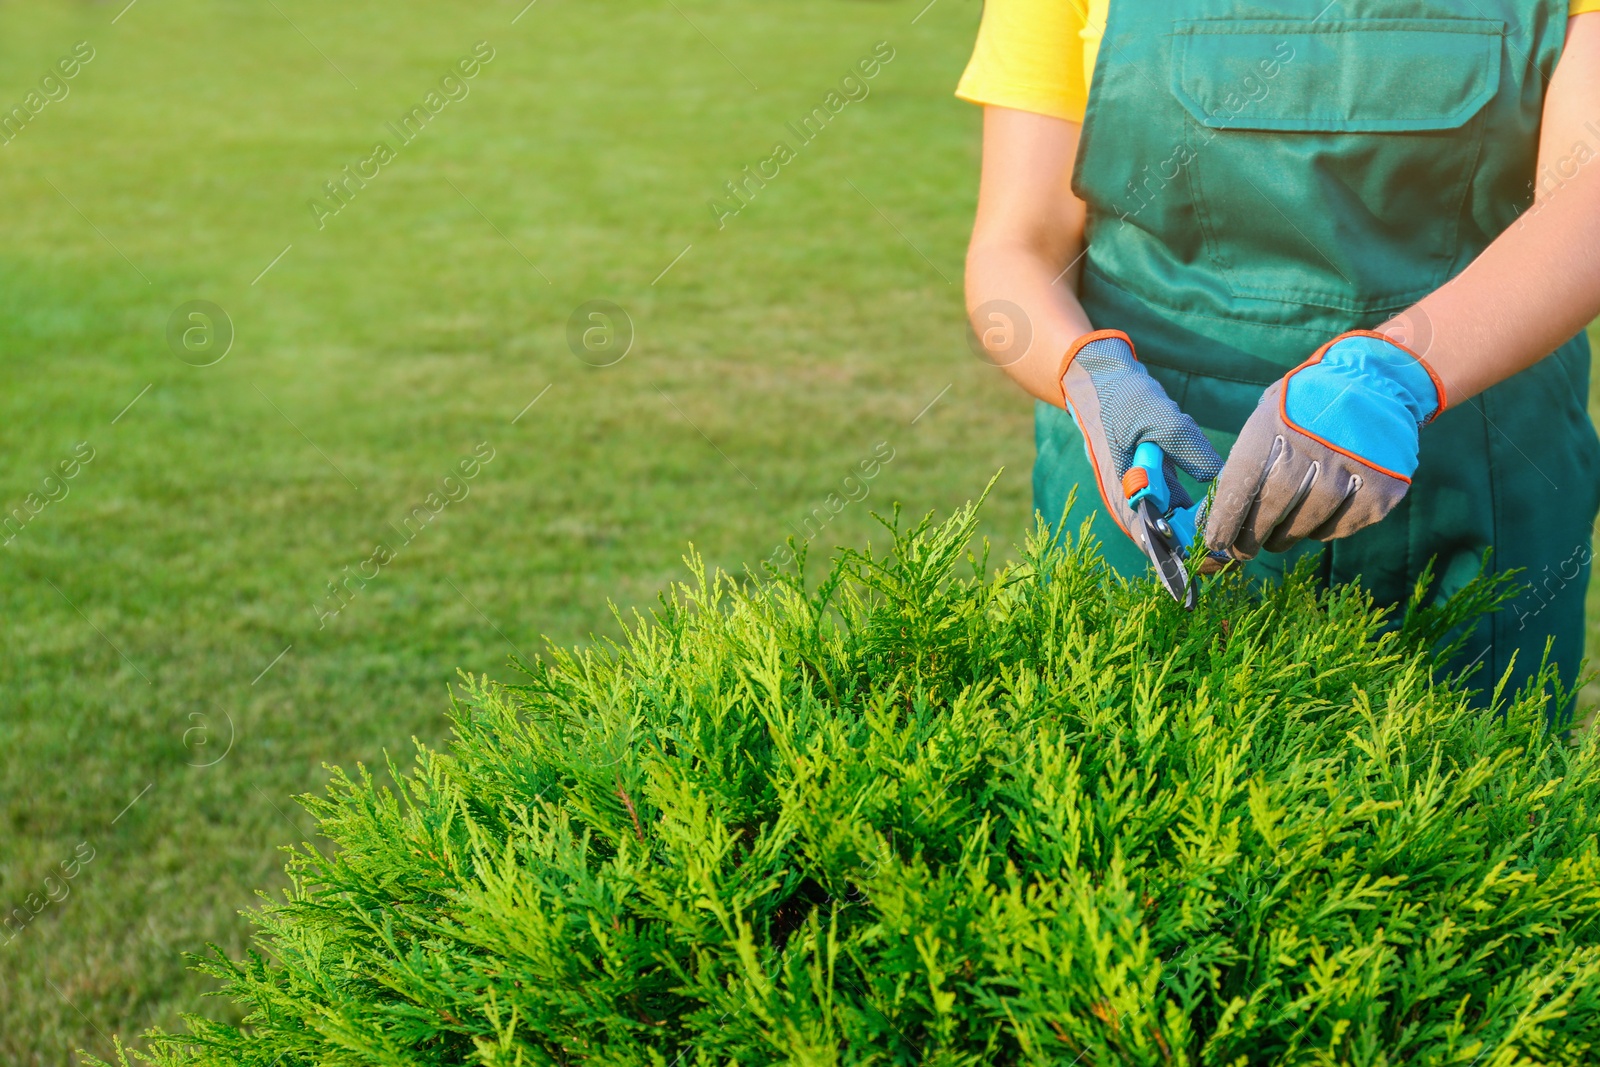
<point>1356,242</point>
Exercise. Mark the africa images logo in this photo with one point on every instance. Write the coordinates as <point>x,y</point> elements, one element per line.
<point>853,87</point>
<point>342,188</point>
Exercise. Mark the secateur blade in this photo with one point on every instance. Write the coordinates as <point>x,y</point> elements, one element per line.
<point>1160,542</point>
<point>1163,531</point>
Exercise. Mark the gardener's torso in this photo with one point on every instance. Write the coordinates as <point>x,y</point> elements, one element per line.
<point>1262,177</point>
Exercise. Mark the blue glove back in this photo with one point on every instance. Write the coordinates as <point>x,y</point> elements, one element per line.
<point>1366,397</point>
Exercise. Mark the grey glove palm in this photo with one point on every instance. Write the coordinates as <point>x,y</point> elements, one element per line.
<point>1117,405</point>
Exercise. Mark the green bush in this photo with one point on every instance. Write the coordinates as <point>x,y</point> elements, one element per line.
<point>925,814</point>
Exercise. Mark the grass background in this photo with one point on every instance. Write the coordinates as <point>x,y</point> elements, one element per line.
<point>166,685</point>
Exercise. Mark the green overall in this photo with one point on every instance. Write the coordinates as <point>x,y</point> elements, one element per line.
<point>1261,177</point>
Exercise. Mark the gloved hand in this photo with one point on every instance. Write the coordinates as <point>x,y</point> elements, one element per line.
<point>1330,448</point>
<point>1118,406</point>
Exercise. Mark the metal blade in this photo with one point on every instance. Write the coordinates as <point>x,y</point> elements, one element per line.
<point>1160,544</point>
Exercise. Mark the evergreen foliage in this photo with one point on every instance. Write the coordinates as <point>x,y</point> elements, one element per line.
<point>921,813</point>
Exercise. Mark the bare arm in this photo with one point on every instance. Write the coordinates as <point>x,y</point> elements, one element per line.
<point>1025,245</point>
<point>1539,282</point>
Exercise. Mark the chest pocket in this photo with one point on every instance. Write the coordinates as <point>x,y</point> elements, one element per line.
<point>1329,163</point>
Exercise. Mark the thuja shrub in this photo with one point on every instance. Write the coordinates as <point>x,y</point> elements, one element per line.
<point>915,812</point>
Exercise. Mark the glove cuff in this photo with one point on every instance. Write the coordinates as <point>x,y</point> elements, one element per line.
<point>1090,338</point>
<point>1423,389</point>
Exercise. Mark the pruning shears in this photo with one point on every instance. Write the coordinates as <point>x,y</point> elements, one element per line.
<point>1165,532</point>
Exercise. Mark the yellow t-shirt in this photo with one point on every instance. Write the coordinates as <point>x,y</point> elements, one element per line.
<point>1024,58</point>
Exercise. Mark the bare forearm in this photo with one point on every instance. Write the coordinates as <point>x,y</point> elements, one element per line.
<point>1024,309</point>
<point>1027,241</point>
<point>1531,290</point>
<point>1539,282</point>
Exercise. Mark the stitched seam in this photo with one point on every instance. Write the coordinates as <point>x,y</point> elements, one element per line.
<point>1310,331</point>
<point>1325,298</point>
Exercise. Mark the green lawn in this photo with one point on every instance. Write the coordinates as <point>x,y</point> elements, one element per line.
<point>168,684</point>
<point>769,361</point>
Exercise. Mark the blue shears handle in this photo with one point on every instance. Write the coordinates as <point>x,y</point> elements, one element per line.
<point>1153,461</point>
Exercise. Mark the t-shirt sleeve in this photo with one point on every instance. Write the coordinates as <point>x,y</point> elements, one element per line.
<point>1584,7</point>
<point>1030,56</point>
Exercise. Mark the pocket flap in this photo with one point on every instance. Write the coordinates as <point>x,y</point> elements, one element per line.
<point>1357,76</point>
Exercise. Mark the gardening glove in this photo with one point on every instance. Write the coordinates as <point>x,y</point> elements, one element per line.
<point>1117,407</point>
<point>1330,448</point>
